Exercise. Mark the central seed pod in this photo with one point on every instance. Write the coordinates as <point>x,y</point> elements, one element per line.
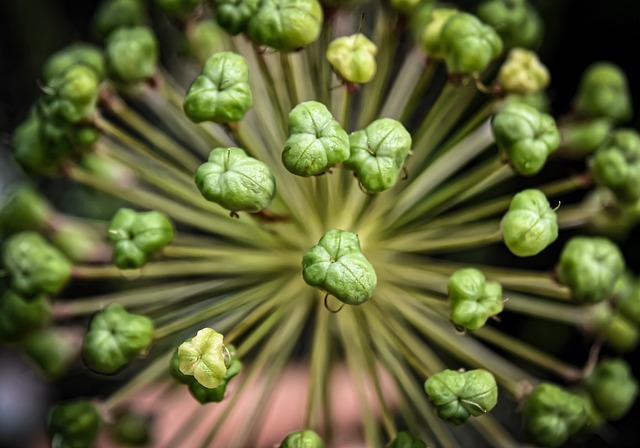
<point>336,265</point>
<point>203,356</point>
<point>473,299</point>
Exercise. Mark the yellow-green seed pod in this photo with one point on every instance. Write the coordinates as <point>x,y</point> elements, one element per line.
<point>286,25</point>
<point>473,299</point>
<point>530,225</point>
<point>432,31</point>
<point>378,153</point>
<point>236,181</point>
<point>316,140</point>
<point>204,357</point>
<point>523,73</point>
<point>302,439</point>
<point>221,93</point>
<point>115,338</point>
<point>459,395</point>
<point>336,265</point>
<point>552,414</point>
<point>353,58</point>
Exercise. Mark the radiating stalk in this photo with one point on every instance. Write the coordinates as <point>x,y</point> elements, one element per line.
<point>528,353</point>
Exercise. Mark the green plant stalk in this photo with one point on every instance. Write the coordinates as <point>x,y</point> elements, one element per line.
<point>150,132</point>
<point>501,204</point>
<point>473,181</point>
<point>364,352</point>
<point>151,373</point>
<point>528,353</point>
<point>356,371</point>
<point>430,69</point>
<point>196,218</point>
<point>319,373</point>
<point>290,77</point>
<point>389,347</point>
<point>229,303</point>
<point>68,308</point>
<point>274,354</point>
<point>413,67</point>
<point>532,306</point>
<point>386,52</point>
<point>493,431</point>
<point>442,168</point>
<point>193,135</point>
<point>510,376</point>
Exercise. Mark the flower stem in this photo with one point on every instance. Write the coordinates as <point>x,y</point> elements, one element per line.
<point>528,353</point>
<point>404,87</point>
<point>533,306</point>
<point>152,372</point>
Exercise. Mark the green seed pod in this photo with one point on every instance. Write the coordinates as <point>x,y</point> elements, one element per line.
<point>530,225</point>
<point>468,44</point>
<point>621,334</point>
<point>405,6</point>
<point>174,369</point>
<point>473,299</point>
<point>618,332</point>
<point>336,265</point>
<point>74,424</point>
<point>34,266</point>
<point>406,440</point>
<point>204,357</point>
<point>20,316</point>
<point>353,58</point>
<point>590,266</point>
<point>552,414</point>
<point>459,395</point>
<point>316,141</point>
<point>216,395</point>
<point>138,236</point>
<point>286,25</point>
<point>179,8</point>
<point>526,136</point>
<point>628,304</point>
<point>24,208</point>
<point>516,21</point>
<point>236,181</point>
<point>221,93</point>
<point>113,14</point>
<point>74,54</point>
<point>612,388</point>
<point>131,429</point>
<point>431,29</point>
<point>234,15</point>
<point>378,153</point>
<point>523,73</point>
<point>31,150</point>
<point>205,38</point>
<point>53,350</point>
<point>132,54</point>
<point>115,338</point>
<point>604,92</point>
<point>75,94</point>
<point>616,165</point>
<point>584,137</point>
<point>302,439</point>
